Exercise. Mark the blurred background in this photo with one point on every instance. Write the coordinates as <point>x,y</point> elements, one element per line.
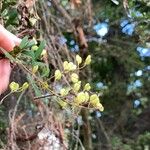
<point>116,33</point>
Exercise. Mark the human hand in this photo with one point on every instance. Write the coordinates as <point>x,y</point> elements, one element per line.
<point>7,42</point>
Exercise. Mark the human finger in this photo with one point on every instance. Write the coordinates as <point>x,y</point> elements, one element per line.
<point>5,71</point>
<point>7,39</point>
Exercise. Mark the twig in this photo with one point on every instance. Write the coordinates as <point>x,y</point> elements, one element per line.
<point>13,124</point>
<point>104,133</point>
<point>62,10</point>
<point>82,147</point>
<point>43,96</point>
<point>5,97</point>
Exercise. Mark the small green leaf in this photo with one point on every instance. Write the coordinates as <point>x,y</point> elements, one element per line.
<point>40,49</point>
<point>4,13</point>
<point>24,42</point>
<point>45,72</point>
<point>29,53</point>
<point>30,44</point>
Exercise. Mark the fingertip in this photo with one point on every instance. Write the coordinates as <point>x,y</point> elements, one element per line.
<point>6,41</point>
<point>15,39</point>
<point>5,71</point>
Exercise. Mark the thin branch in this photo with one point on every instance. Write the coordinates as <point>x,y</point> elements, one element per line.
<point>62,10</point>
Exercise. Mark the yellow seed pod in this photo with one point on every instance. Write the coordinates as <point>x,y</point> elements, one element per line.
<point>66,65</point>
<point>78,59</point>
<point>44,52</point>
<point>34,39</point>
<point>14,86</point>
<point>72,66</point>
<point>87,96</point>
<point>34,48</point>
<point>58,75</point>
<point>94,99</point>
<point>88,60</point>
<point>25,86</point>
<point>62,103</point>
<point>74,77</point>
<point>77,86</point>
<point>100,107</point>
<point>64,92</point>
<point>81,98</point>
<point>87,87</point>
<point>35,69</point>
<point>76,102</point>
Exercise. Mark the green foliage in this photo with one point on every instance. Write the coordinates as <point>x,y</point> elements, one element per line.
<point>140,143</point>
<point>143,142</point>
<point>39,50</point>
<point>9,12</point>
<point>118,144</point>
